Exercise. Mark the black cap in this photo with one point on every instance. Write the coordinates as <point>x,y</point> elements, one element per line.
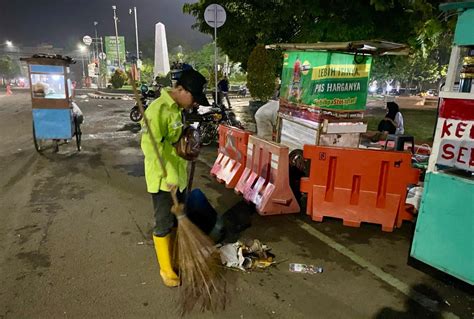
<point>194,82</point>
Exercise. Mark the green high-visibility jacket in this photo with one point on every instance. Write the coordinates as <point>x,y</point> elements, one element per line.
<point>166,125</point>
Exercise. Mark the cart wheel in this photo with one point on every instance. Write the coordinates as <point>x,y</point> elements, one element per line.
<point>78,133</point>
<point>38,143</point>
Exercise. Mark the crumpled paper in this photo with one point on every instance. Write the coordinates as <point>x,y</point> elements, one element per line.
<point>246,256</point>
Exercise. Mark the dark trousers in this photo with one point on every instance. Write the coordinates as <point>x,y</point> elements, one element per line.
<point>226,95</point>
<point>165,220</point>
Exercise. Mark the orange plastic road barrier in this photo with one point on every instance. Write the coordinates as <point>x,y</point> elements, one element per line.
<point>358,185</point>
<point>9,90</point>
<point>230,162</point>
<point>265,180</point>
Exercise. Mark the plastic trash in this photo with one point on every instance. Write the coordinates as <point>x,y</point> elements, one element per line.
<point>414,196</point>
<point>305,269</point>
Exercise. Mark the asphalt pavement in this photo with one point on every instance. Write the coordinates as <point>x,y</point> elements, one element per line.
<point>75,238</point>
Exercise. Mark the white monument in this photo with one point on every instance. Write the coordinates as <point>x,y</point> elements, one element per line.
<point>162,63</point>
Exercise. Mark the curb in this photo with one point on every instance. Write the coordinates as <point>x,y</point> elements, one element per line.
<point>107,97</point>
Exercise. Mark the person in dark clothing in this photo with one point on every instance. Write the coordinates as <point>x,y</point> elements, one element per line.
<point>393,120</point>
<point>223,87</point>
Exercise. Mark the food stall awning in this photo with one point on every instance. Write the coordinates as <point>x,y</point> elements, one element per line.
<point>373,47</point>
<point>48,59</point>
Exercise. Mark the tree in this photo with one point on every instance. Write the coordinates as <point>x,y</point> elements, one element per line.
<point>261,77</point>
<point>252,21</point>
<point>428,62</point>
<point>8,68</point>
<point>118,78</point>
<point>204,58</point>
<point>146,72</point>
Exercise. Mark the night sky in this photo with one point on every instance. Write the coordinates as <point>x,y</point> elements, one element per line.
<point>63,23</point>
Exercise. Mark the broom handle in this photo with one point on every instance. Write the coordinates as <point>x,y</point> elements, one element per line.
<point>191,177</point>
<point>153,141</point>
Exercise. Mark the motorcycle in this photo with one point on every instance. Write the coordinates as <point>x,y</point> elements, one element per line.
<point>210,121</point>
<point>146,95</point>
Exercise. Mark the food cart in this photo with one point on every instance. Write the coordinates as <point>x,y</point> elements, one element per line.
<point>51,93</point>
<point>444,234</point>
<point>322,101</point>
<point>324,91</point>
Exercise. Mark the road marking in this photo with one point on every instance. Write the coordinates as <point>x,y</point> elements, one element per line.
<point>108,135</point>
<point>386,277</point>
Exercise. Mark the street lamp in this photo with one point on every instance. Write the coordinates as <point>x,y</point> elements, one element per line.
<point>134,10</point>
<point>136,38</point>
<point>9,44</point>
<point>116,35</point>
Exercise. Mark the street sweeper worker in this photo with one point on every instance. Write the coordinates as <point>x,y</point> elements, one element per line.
<point>166,125</point>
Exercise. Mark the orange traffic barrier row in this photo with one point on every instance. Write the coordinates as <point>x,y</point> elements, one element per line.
<point>232,155</point>
<point>265,180</point>
<point>358,185</point>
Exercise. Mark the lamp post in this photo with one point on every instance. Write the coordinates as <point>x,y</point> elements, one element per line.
<point>134,10</point>
<point>96,53</point>
<point>136,39</point>
<point>96,41</point>
<point>82,49</point>
<point>116,36</point>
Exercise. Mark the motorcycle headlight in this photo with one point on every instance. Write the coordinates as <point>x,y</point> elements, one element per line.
<point>217,117</point>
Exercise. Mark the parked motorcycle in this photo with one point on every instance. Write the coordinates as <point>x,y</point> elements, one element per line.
<point>210,121</point>
<point>146,95</point>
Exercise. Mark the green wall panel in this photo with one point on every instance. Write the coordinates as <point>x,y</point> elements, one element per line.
<point>464,34</point>
<point>444,233</point>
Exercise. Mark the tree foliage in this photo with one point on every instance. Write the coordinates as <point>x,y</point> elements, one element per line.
<point>428,62</point>
<point>146,71</point>
<point>118,79</point>
<point>8,68</point>
<point>260,76</point>
<point>278,21</point>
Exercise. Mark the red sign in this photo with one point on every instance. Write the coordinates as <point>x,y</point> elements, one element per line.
<point>454,138</point>
<point>456,147</point>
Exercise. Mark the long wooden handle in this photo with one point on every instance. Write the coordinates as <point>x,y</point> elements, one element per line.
<point>147,123</point>
<point>191,177</point>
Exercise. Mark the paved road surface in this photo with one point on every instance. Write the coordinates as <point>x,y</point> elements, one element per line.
<point>75,242</point>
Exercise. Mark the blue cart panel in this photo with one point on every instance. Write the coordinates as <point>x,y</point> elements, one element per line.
<point>53,124</point>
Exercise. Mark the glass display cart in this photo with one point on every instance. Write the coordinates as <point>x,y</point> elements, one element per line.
<point>51,92</point>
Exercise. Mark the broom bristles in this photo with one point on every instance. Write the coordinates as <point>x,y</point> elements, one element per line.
<point>202,284</point>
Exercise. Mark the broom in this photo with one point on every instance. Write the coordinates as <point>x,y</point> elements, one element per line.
<point>202,284</point>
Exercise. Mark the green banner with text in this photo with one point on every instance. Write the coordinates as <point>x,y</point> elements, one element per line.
<point>326,80</point>
<point>111,50</point>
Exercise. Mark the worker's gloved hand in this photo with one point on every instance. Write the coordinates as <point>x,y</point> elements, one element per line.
<point>177,208</point>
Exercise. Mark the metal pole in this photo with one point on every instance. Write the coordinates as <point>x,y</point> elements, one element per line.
<point>116,36</point>
<point>136,32</point>
<point>136,37</point>
<point>83,70</point>
<point>100,62</point>
<point>215,51</point>
<point>96,52</point>
<point>96,44</point>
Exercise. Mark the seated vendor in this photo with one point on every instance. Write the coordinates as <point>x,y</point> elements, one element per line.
<point>392,123</point>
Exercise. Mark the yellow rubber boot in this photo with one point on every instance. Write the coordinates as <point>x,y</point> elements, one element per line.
<point>163,253</point>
